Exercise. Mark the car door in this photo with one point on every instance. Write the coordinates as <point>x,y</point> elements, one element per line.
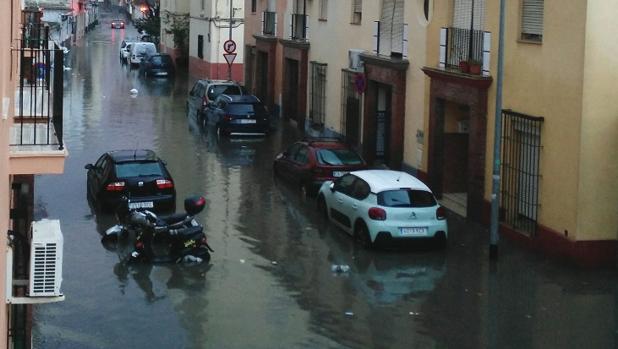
<point>194,99</point>
<point>96,178</point>
<point>299,167</point>
<point>286,161</point>
<point>352,204</point>
<point>341,191</point>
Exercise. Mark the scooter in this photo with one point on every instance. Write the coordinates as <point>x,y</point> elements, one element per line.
<point>183,234</point>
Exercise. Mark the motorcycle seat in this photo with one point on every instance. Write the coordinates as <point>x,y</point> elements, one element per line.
<point>173,218</point>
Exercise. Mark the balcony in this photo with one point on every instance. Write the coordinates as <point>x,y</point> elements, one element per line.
<point>299,27</point>
<point>461,47</point>
<point>36,139</point>
<point>269,23</point>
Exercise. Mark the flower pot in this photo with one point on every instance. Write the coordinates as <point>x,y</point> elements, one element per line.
<point>475,69</point>
<point>464,66</point>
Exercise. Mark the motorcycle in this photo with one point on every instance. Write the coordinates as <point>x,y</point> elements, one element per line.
<point>182,234</point>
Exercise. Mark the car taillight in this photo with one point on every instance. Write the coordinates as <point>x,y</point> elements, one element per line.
<point>115,186</point>
<point>377,214</point>
<point>440,213</point>
<point>227,118</point>
<point>164,184</point>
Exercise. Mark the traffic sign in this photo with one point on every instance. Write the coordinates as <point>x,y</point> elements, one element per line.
<point>229,46</point>
<point>229,57</point>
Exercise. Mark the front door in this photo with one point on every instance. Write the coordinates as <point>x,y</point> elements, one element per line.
<point>382,127</point>
<point>291,89</point>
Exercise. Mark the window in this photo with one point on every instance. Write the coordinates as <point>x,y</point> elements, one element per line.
<point>391,28</point>
<point>203,4</point>
<point>344,184</point>
<point>532,20</point>
<point>360,189</point>
<point>357,11</point>
<point>253,5</point>
<point>302,156</point>
<point>138,169</point>
<point>338,157</point>
<point>521,152</point>
<point>323,9</point>
<point>200,46</point>
<point>318,93</point>
<point>406,198</point>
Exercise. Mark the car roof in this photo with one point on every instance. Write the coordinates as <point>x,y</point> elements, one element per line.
<point>381,180</point>
<point>325,142</point>
<point>218,82</point>
<point>130,155</point>
<point>240,98</point>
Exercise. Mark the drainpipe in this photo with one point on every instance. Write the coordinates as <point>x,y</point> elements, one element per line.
<point>495,192</point>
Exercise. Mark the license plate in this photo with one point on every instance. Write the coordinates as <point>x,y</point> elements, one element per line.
<point>413,231</point>
<point>247,121</point>
<point>338,173</point>
<point>143,204</point>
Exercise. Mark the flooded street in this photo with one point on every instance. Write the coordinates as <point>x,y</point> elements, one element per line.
<point>269,283</point>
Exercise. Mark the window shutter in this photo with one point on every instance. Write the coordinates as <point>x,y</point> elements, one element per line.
<point>398,27</point>
<point>271,6</point>
<point>357,6</point>
<point>386,26</point>
<point>462,14</point>
<point>532,17</point>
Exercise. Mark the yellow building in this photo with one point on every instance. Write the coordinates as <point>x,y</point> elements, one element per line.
<point>30,144</point>
<point>412,85</point>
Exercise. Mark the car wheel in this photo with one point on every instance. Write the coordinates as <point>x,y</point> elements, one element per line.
<point>361,235</point>
<point>322,207</point>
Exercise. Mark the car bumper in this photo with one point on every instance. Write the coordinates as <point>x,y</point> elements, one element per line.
<point>246,129</point>
<point>389,232</point>
<point>161,203</point>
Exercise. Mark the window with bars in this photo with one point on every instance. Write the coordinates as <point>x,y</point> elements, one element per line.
<point>323,9</point>
<point>351,106</point>
<point>357,11</point>
<point>200,46</point>
<point>521,155</point>
<point>317,112</point>
<point>532,20</point>
<point>253,6</point>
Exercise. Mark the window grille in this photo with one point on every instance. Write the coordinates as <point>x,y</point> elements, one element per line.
<point>351,106</point>
<point>521,152</point>
<point>318,93</point>
<point>357,11</point>
<point>532,20</point>
<point>200,46</point>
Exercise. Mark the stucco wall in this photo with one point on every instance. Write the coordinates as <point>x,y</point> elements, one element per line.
<point>598,193</point>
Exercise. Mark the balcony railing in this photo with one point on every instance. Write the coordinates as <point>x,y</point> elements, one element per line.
<point>269,23</point>
<point>464,45</point>
<point>299,27</point>
<point>391,40</point>
<point>38,99</point>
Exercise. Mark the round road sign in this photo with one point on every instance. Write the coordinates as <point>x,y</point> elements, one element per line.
<point>229,46</point>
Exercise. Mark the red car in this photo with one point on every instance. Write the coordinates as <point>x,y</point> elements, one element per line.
<point>117,24</point>
<point>308,163</point>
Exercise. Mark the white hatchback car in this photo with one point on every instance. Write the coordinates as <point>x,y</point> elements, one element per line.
<point>383,206</point>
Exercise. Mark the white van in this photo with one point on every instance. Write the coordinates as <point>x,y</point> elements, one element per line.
<point>141,50</point>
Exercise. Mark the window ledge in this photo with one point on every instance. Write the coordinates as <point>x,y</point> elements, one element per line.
<point>322,19</point>
<point>355,23</point>
<point>533,42</point>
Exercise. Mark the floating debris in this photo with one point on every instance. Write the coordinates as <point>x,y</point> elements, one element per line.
<point>274,263</point>
<point>242,261</point>
<point>340,268</point>
<point>349,313</point>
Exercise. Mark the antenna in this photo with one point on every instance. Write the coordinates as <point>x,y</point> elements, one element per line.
<point>399,177</point>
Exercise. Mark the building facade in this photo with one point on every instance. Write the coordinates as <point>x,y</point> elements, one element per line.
<point>212,24</point>
<point>174,23</point>
<point>411,85</point>
<point>31,143</point>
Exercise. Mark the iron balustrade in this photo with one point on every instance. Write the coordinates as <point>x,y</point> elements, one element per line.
<point>521,153</point>
<point>299,27</point>
<point>269,23</point>
<point>38,99</point>
<point>463,45</point>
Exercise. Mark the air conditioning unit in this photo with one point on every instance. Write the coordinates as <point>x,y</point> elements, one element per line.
<point>45,259</point>
<point>355,62</point>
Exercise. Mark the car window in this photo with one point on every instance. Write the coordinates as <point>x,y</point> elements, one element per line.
<point>246,108</point>
<point>292,150</point>
<point>337,157</point>
<point>221,104</point>
<point>99,162</point>
<point>215,90</point>
<point>302,155</point>
<point>160,60</point>
<point>360,189</point>
<point>234,90</point>
<point>344,184</point>
<point>406,198</point>
<point>138,169</point>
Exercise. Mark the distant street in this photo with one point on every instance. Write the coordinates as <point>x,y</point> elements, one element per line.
<point>270,282</point>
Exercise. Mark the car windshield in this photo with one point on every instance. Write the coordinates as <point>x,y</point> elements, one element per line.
<point>138,169</point>
<point>406,198</point>
<point>215,90</point>
<point>146,50</point>
<point>246,108</point>
<point>338,157</point>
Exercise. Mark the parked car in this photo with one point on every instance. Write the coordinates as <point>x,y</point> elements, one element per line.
<point>311,162</point>
<point>141,50</point>
<point>383,206</point>
<point>117,24</point>
<point>205,91</point>
<point>237,115</point>
<point>125,49</point>
<point>157,65</point>
<point>137,174</point>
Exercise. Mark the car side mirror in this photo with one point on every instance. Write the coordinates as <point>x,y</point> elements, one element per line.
<point>89,166</point>
<point>332,187</point>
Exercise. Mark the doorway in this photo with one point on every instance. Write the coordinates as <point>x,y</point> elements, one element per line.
<point>261,85</point>
<point>382,125</point>
<point>291,90</point>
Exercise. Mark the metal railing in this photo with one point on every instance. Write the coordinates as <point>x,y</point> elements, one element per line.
<point>269,23</point>
<point>38,99</point>
<point>463,45</point>
<point>299,27</point>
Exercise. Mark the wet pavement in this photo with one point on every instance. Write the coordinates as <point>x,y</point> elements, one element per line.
<point>269,283</point>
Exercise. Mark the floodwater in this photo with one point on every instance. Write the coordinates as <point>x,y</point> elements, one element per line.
<point>269,283</point>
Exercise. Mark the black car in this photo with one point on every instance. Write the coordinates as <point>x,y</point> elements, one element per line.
<point>137,174</point>
<point>237,116</point>
<point>205,91</point>
<point>158,65</point>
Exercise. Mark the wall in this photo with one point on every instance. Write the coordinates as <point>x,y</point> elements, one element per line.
<point>597,216</point>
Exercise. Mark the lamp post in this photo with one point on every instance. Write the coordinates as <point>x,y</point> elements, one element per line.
<point>495,192</point>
